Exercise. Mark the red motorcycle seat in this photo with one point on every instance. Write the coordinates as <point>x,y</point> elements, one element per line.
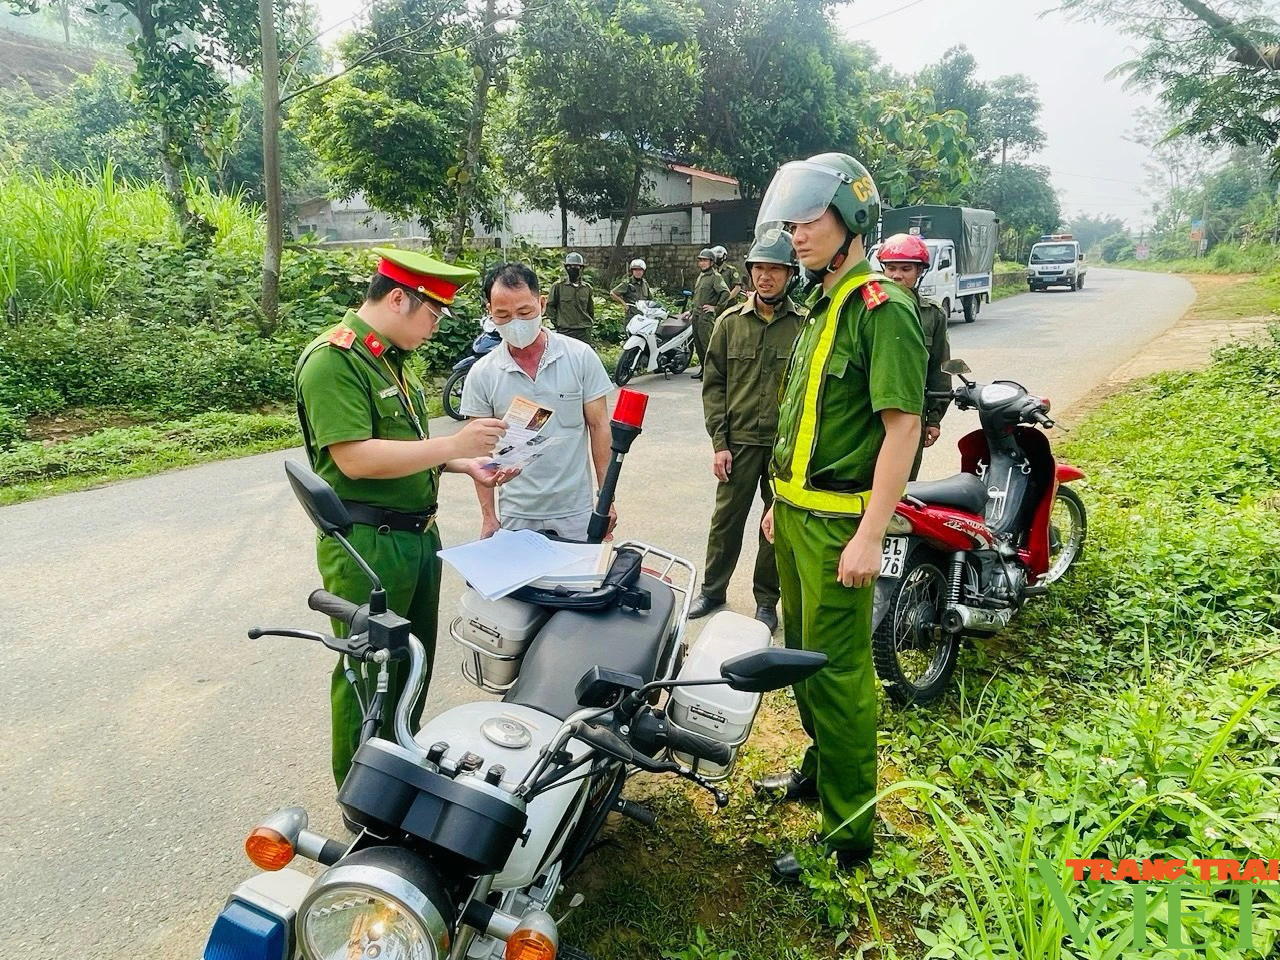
<point>964,491</point>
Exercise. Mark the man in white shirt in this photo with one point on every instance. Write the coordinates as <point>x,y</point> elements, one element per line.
<point>554,493</point>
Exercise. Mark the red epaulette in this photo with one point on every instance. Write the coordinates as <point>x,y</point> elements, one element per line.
<point>873,294</point>
<point>342,337</point>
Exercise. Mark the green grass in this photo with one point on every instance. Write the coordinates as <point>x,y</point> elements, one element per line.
<point>1128,714</point>
<point>31,470</point>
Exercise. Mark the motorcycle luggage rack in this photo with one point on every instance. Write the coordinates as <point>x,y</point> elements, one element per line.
<point>475,660</point>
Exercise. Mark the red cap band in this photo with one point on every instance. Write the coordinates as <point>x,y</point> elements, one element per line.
<point>630,408</point>
<point>433,287</point>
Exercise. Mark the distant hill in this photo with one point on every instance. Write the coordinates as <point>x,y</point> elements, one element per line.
<point>47,67</point>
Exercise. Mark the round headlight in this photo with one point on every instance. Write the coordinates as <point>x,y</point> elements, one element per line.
<point>381,903</point>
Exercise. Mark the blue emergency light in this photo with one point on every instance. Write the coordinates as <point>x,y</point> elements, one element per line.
<point>245,932</point>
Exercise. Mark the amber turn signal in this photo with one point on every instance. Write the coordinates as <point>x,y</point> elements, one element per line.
<point>268,848</point>
<point>530,945</point>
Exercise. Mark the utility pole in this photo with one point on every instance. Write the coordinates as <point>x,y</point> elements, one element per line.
<point>271,163</point>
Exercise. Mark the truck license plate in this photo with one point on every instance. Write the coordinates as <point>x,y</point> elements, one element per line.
<point>894,556</point>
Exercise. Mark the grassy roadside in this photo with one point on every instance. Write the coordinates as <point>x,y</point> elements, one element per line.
<point>1129,714</point>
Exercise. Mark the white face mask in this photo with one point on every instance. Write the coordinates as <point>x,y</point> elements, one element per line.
<point>521,332</point>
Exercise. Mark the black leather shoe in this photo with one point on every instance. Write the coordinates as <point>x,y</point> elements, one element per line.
<point>792,785</point>
<point>697,376</point>
<point>787,867</point>
<point>702,605</point>
<point>769,617</point>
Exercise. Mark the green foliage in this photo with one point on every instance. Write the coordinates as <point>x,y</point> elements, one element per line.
<point>1025,200</point>
<point>1118,246</point>
<point>1013,117</point>
<point>955,86</point>
<point>916,154</point>
<point>33,469</point>
<point>1091,230</point>
<point>13,429</point>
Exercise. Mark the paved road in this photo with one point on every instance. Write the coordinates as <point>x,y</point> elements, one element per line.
<point>141,734</point>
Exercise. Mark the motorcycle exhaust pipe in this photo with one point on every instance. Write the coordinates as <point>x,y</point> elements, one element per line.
<point>628,416</point>
<point>962,619</point>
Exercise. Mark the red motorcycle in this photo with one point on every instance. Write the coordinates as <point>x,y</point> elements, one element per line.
<point>962,555</point>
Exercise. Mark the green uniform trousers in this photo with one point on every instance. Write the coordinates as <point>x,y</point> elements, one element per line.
<point>750,472</point>
<point>578,333</point>
<point>837,704</point>
<point>410,572</point>
<point>702,328</point>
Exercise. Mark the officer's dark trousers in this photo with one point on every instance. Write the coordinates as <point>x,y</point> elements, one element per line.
<point>702,327</point>
<point>578,333</point>
<point>724,543</point>
<point>409,568</point>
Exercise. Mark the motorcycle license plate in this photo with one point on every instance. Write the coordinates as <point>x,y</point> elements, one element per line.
<point>894,556</point>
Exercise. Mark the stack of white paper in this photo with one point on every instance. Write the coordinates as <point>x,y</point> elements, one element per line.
<point>507,561</point>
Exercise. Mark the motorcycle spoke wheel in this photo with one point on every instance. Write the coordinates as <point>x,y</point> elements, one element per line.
<point>452,396</point>
<point>913,655</point>
<point>1068,525</point>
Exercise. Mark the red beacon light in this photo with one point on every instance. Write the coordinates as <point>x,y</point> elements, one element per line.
<point>630,408</point>
<point>628,416</point>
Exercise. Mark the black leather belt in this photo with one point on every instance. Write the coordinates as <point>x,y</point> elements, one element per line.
<point>390,519</point>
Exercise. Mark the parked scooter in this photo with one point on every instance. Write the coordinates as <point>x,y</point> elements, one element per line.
<point>485,342</point>
<point>469,829</point>
<point>962,555</point>
<point>658,342</point>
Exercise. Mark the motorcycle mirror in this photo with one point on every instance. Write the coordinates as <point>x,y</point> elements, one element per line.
<point>956,367</point>
<point>327,512</point>
<point>688,293</point>
<point>771,669</point>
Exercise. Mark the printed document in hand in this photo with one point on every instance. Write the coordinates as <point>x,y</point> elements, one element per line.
<point>524,440</point>
<point>507,561</point>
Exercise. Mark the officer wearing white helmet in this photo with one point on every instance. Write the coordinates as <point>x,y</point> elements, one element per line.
<point>633,288</point>
<point>732,278</point>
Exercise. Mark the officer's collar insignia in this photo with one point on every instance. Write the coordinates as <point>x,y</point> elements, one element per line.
<point>375,344</point>
<point>342,337</point>
<point>873,294</point>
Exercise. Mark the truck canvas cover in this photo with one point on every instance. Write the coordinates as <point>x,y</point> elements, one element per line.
<point>974,232</point>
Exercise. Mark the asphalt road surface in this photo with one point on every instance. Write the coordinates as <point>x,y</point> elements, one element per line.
<point>142,734</point>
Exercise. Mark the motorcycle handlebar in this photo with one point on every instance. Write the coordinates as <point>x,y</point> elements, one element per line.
<point>712,751</point>
<point>322,601</point>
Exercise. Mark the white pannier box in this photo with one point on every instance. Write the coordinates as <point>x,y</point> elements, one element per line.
<point>496,633</point>
<point>717,712</point>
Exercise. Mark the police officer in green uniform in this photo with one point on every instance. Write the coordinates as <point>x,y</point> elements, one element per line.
<point>746,359</point>
<point>732,278</point>
<point>904,258</point>
<point>571,307</point>
<point>633,288</point>
<point>363,417</point>
<point>847,432</point>
<point>710,297</point>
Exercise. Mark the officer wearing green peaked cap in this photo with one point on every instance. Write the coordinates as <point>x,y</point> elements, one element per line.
<point>364,422</point>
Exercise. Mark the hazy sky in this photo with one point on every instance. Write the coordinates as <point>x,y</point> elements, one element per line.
<point>1085,115</point>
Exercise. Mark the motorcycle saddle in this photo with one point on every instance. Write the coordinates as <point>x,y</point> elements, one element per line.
<point>574,641</point>
<point>673,326</point>
<point>964,491</point>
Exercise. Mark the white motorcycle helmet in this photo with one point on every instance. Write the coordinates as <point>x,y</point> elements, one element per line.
<point>638,264</point>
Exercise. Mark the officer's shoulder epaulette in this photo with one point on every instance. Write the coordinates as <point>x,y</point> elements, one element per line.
<point>342,337</point>
<point>873,294</point>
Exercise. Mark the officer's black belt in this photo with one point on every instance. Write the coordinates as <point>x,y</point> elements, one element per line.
<point>391,519</point>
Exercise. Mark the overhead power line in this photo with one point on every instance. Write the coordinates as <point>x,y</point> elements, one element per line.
<point>890,13</point>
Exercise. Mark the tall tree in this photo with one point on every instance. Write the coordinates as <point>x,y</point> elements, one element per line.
<point>625,71</point>
<point>955,85</point>
<point>389,128</point>
<point>1091,230</point>
<point>1215,66</point>
<point>764,100</point>
<point>1013,117</point>
<point>1023,197</point>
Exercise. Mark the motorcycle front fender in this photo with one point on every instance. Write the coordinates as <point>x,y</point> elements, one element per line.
<point>466,363</point>
<point>1067,473</point>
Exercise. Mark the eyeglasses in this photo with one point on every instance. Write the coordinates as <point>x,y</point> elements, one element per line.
<point>438,311</point>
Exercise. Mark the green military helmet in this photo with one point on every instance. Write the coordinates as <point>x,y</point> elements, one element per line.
<point>574,260</point>
<point>801,191</point>
<point>776,248</point>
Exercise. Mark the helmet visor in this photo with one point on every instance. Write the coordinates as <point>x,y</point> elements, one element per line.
<point>800,193</point>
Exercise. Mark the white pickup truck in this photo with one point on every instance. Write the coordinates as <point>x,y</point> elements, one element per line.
<point>1056,261</point>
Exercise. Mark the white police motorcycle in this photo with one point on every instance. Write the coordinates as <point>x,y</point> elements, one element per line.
<point>467,830</point>
<point>657,342</point>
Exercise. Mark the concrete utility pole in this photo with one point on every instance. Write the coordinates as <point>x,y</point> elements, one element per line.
<point>271,164</point>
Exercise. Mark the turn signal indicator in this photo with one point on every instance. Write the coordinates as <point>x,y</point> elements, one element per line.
<point>268,849</point>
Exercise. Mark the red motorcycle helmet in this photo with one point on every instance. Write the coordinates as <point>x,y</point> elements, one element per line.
<point>904,248</point>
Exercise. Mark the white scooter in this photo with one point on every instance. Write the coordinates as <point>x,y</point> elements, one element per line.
<point>467,830</point>
<point>658,343</point>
